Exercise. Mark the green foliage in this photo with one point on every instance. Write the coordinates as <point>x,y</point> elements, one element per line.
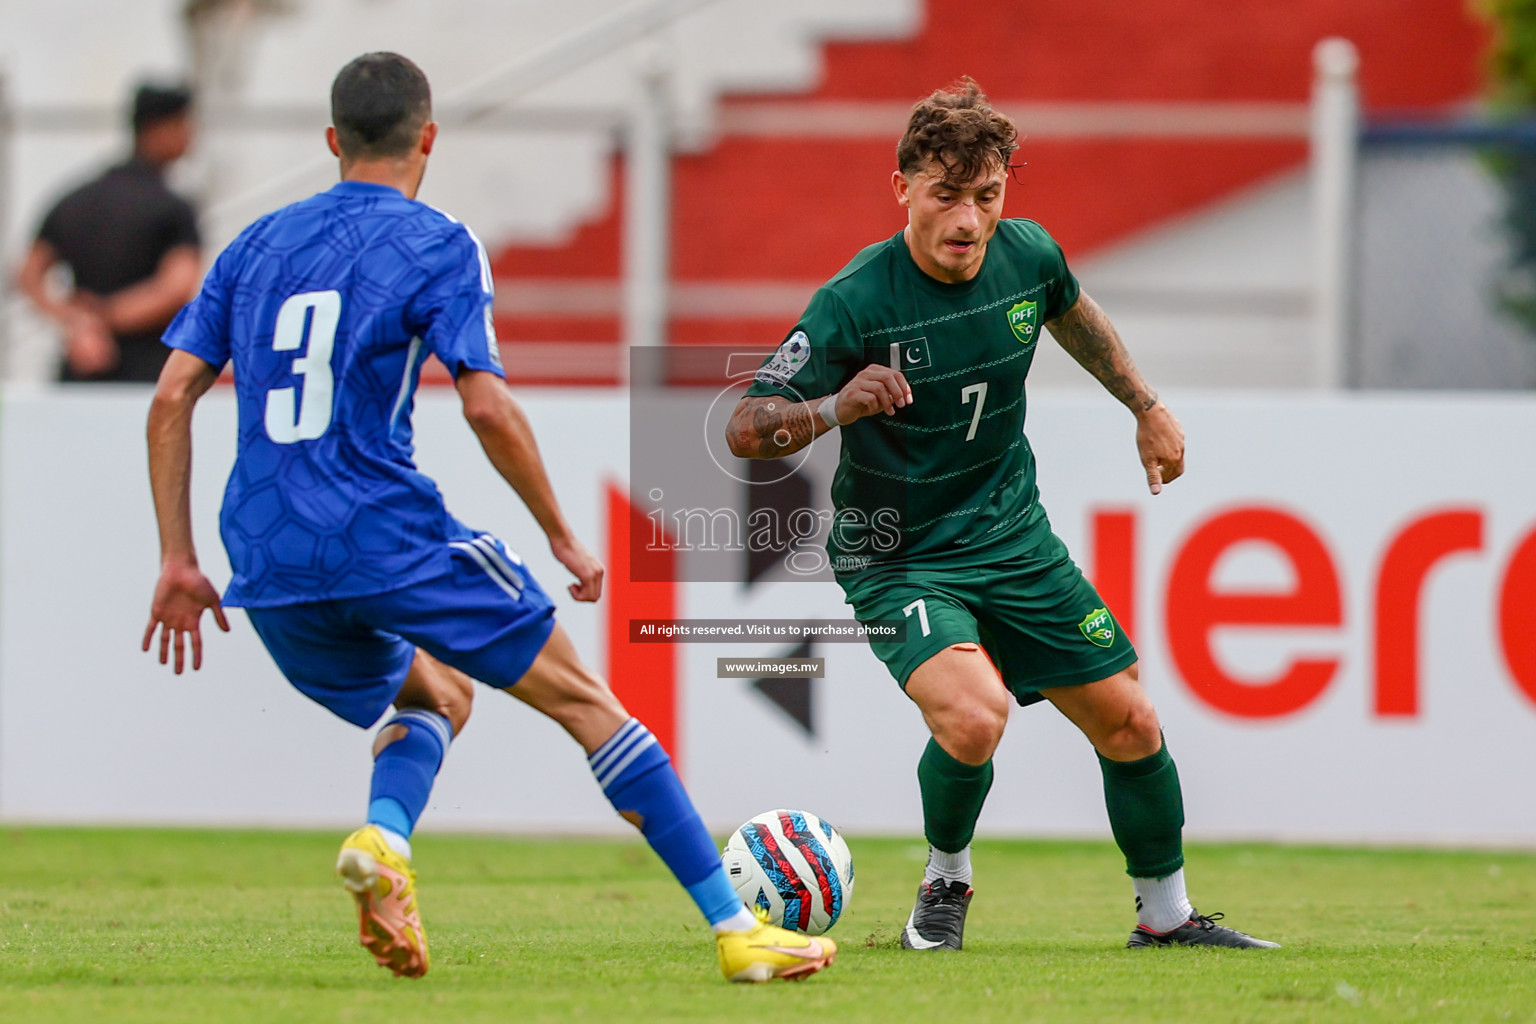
<point>1512,62</point>
<point>1512,89</point>
<point>198,926</point>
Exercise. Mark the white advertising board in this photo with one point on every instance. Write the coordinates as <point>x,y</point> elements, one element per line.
<point>1336,611</point>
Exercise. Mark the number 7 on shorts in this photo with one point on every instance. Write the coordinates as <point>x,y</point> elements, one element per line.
<point>922,614</point>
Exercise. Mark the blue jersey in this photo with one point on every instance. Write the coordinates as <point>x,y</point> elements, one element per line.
<point>328,308</point>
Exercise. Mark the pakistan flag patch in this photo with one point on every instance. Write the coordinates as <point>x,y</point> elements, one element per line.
<point>1023,319</point>
<point>1098,627</point>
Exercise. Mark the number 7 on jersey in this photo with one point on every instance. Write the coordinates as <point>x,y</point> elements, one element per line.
<point>980,391</point>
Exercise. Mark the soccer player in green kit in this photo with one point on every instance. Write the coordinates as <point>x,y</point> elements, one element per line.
<point>918,350</point>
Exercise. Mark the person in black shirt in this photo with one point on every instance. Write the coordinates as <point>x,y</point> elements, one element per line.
<point>132,245</point>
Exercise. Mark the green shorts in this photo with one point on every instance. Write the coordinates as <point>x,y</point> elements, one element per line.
<point>1038,619</point>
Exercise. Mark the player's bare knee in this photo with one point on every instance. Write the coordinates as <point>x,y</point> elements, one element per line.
<point>457,705</point>
<point>971,734</point>
<point>1137,734</point>
<point>433,686</point>
<point>969,745</point>
<point>1146,730</point>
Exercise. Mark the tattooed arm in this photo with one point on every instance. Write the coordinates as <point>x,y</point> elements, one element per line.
<point>1088,336</point>
<point>771,427</point>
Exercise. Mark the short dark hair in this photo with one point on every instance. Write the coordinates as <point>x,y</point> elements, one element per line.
<point>958,128</point>
<point>158,101</point>
<point>378,104</point>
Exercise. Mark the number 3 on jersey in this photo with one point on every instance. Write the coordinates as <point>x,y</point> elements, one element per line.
<point>321,313</point>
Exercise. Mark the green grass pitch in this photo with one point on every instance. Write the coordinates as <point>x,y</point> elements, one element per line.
<point>213,926</point>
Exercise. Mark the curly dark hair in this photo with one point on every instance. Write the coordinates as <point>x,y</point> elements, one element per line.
<point>958,128</point>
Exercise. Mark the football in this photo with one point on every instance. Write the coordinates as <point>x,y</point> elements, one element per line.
<point>793,865</point>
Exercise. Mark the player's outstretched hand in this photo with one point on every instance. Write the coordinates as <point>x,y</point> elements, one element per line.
<point>180,598</point>
<point>1160,440</point>
<point>584,565</point>
<point>876,389</point>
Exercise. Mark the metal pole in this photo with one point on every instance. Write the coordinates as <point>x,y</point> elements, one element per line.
<point>647,210</point>
<point>1335,139</point>
<point>7,122</point>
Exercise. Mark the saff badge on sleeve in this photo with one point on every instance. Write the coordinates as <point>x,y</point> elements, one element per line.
<point>790,358</point>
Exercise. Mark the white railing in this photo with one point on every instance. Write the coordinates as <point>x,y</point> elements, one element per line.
<point>487,98</point>
<point>646,294</point>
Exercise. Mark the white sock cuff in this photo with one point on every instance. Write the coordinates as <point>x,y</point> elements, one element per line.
<point>619,751</point>
<point>431,720</point>
<point>948,867</point>
<point>741,921</point>
<point>1161,903</point>
<point>397,842</point>
<point>622,733</point>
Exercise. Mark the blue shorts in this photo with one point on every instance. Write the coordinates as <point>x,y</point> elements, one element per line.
<point>486,617</point>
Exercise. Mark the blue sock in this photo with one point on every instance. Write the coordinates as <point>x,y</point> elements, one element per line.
<point>404,771</point>
<point>637,777</point>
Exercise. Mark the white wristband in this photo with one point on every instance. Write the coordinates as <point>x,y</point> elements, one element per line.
<point>828,411</point>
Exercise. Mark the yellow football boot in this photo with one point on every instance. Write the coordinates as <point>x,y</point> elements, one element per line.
<point>765,952</point>
<point>382,882</point>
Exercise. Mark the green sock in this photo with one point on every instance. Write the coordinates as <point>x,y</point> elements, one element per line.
<point>953,793</point>
<point>1146,813</point>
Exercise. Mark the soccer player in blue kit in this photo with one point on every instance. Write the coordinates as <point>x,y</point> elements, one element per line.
<point>364,589</point>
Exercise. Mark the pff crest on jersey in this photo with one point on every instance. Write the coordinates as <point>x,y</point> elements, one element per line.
<point>1024,321</point>
<point>787,361</point>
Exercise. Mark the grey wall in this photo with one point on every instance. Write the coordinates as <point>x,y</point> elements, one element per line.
<point>1431,254</point>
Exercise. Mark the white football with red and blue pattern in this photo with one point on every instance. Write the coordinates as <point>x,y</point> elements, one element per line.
<point>793,865</point>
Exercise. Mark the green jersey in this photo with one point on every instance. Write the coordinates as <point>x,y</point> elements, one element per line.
<point>950,478</point>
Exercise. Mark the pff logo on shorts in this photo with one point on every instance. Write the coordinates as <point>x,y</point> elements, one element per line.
<point>1098,628</point>
<point>1023,320</point>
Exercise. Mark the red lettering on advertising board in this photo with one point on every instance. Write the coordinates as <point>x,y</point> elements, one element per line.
<point>1517,616</point>
<point>1114,564</point>
<point>1193,610</point>
<point>1399,584</point>
<point>643,676</point>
